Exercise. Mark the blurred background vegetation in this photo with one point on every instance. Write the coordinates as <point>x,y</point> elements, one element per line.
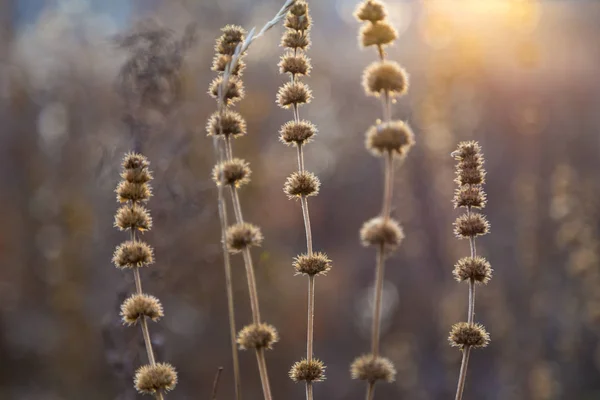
<point>518,76</point>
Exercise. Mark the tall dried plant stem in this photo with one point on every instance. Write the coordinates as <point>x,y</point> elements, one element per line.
<point>144,323</point>
<point>462,378</point>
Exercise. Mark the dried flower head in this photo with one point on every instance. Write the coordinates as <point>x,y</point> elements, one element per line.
<point>233,93</point>
<point>471,225</point>
<point>385,76</point>
<point>133,217</point>
<point>377,34</point>
<point>297,133</point>
<point>464,334</point>
<point>230,123</point>
<point>370,10</point>
<point>241,236</point>
<point>136,175</point>
<point>314,264</point>
<point>477,269</point>
<point>393,137</point>
<point>257,336</point>
<point>300,23</point>
<point>150,379</point>
<point>131,254</point>
<point>469,175</point>
<point>234,172</point>
<point>301,184</point>
<point>232,36</point>
<point>372,369</point>
<point>293,93</point>
<point>294,64</point>
<point>135,161</point>
<point>220,63</point>
<point>131,191</point>
<point>141,305</point>
<point>299,8</point>
<point>308,371</point>
<point>381,232</point>
<point>469,196</point>
<point>467,151</point>
<point>295,40</point>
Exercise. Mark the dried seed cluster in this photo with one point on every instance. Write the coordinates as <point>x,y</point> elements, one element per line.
<point>372,369</point>
<point>464,334</point>
<point>257,336</point>
<point>301,184</point>
<point>133,190</point>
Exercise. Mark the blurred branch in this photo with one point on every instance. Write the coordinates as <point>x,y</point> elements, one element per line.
<point>213,396</point>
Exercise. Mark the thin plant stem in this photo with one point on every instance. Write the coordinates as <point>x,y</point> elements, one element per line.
<point>370,391</point>
<point>213,396</point>
<point>262,369</point>
<point>388,185</point>
<point>309,390</point>
<point>377,301</point>
<point>463,373</point>
<point>311,318</point>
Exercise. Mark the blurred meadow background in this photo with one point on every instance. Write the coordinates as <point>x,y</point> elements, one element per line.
<point>519,76</point>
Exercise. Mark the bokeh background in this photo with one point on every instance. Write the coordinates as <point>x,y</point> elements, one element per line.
<point>521,77</point>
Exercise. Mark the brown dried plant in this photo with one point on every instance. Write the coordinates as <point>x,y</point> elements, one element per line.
<point>301,184</point>
<point>390,139</point>
<point>134,190</point>
<point>470,177</point>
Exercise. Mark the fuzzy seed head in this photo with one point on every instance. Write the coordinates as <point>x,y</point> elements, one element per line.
<point>295,40</point>
<point>230,123</point>
<point>471,225</point>
<point>394,137</point>
<point>299,23</point>
<point>131,254</point>
<point>150,379</point>
<point>220,63</point>
<point>134,192</point>
<point>140,305</point>
<point>372,369</point>
<point>469,170</point>
<point>478,269</point>
<point>315,264</point>
<point>377,34</point>
<point>467,151</point>
<point>294,64</point>
<point>464,334</point>
<point>370,10</point>
<point>386,76</point>
<point>293,93</point>
<point>308,371</point>
<point>467,175</point>
<point>257,336</point>
<point>241,236</point>
<point>232,94</point>
<point>137,175</point>
<point>232,36</point>
<point>379,232</point>
<point>469,196</point>
<point>297,133</point>
<point>301,184</point>
<point>133,217</point>
<point>299,8</point>
<point>235,172</point>
<point>135,161</point>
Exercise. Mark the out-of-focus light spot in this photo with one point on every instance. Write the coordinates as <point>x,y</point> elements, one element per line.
<point>49,240</point>
<point>52,126</point>
<point>364,307</point>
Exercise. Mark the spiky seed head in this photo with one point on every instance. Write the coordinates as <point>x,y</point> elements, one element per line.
<point>377,34</point>
<point>295,40</point>
<point>232,35</point>
<point>294,64</point>
<point>471,225</point>
<point>299,23</point>
<point>257,336</point>
<point>308,371</point>
<point>135,161</point>
<point>464,334</point>
<point>394,137</point>
<point>131,254</point>
<point>370,10</point>
<point>478,269</point>
<point>137,175</point>
<point>233,93</point>
<point>386,76</point>
<point>299,8</point>
<point>133,217</point>
<point>140,305</point>
<point>131,191</point>
<point>293,93</point>
<point>241,236</point>
<point>469,196</point>
<point>372,369</point>
<point>297,133</point>
<point>301,184</point>
<point>235,172</point>
<point>220,62</point>
<point>381,232</point>
<point>466,150</point>
<point>468,175</point>
<point>231,123</point>
<point>313,264</point>
<point>150,379</point>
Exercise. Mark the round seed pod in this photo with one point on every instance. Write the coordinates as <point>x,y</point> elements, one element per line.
<point>241,236</point>
<point>293,93</point>
<point>471,225</point>
<point>377,34</point>
<point>394,137</point>
<point>295,40</point>
<point>301,184</point>
<point>131,254</point>
<point>234,91</point>
<point>297,133</point>
<point>257,336</point>
<point>464,335</point>
<point>315,264</point>
<point>134,192</point>
<point>232,35</point>
<point>372,369</point>
<point>141,305</point>
<point>370,10</point>
<point>228,123</point>
<point>477,269</point>
<point>387,76</point>
<point>150,379</point>
<point>235,172</point>
<point>220,62</point>
<point>379,232</point>
<point>308,371</point>
<point>471,196</point>
<point>133,217</point>
<point>294,64</point>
